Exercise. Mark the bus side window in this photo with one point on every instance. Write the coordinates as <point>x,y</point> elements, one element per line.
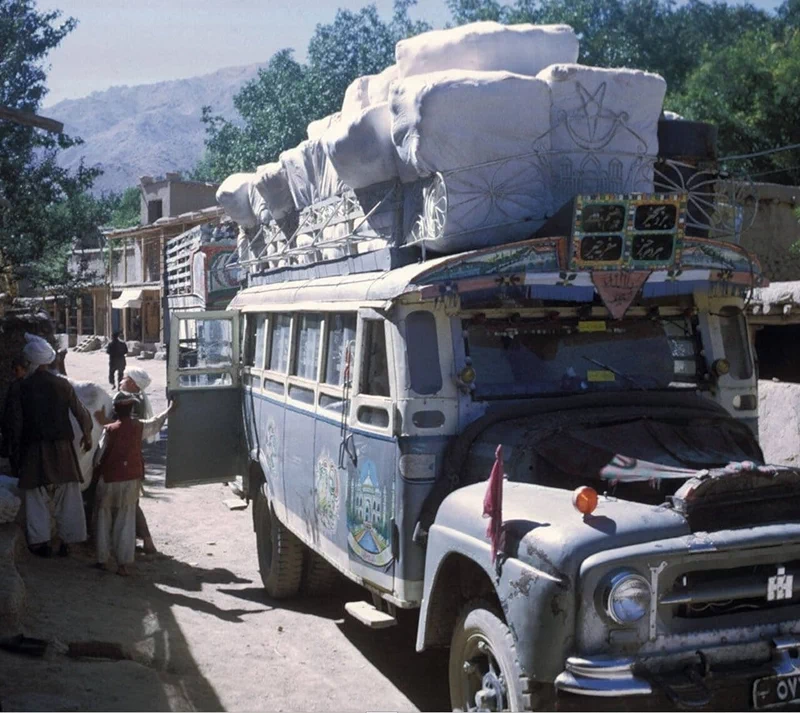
<point>258,352</point>
<point>253,352</point>
<point>341,331</point>
<point>279,343</point>
<point>375,369</point>
<point>308,337</point>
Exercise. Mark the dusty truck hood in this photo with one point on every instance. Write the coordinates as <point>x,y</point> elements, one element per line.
<point>664,440</point>
<point>544,530</point>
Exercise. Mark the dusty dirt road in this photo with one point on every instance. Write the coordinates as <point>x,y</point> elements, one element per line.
<point>195,626</point>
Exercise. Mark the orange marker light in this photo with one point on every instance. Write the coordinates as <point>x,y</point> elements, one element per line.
<point>584,499</point>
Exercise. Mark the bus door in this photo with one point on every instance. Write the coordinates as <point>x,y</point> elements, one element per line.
<point>206,441</point>
<point>369,454</point>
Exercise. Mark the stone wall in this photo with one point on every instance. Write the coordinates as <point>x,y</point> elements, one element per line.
<point>774,230</point>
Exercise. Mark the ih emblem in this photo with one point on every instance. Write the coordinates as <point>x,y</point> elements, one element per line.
<point>780,586</point>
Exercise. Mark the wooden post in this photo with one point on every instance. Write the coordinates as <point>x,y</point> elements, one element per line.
<point>27,118</point>
<point>79,323</point>
<point>109,286</point>
<point>162,295</point>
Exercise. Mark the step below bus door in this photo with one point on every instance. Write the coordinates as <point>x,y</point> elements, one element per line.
<point>205,432</point>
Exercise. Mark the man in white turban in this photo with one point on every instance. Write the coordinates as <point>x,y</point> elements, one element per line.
<point>49,473</point>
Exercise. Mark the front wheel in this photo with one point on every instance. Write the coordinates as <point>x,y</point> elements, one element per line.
<point>485,673</point>
<point>280,553</point>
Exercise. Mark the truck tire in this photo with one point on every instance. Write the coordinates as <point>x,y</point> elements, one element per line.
<point>280,553</point>
<point>485,673</point>
<point>319,576</point>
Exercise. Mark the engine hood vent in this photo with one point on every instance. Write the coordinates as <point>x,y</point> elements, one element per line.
<point>739,495</point>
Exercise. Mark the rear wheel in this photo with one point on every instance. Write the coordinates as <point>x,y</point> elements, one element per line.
<point>485,673</point>
<point>320,576</point>
<point>280,553</point>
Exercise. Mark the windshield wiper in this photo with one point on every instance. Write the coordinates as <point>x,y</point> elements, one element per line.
<point>616,371</point>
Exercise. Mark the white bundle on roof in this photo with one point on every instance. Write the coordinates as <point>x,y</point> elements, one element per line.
<point>311,176</point>
<point>272,184</point>
<point>450,120</point>
<point>356,96</point>
<point>487,46</point>
<point>487,132</point>
<point>316,129</point>
<point>380,84</point>
<point>238,196</point>
<point>361,148</point>
<point>604,129</point>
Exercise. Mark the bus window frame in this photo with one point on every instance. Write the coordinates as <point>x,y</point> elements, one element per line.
<point>359,399</point>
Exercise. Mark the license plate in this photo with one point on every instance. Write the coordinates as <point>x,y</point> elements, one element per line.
<point>776,691</point>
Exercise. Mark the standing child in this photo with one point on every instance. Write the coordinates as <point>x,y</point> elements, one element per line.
<point>119,473</point>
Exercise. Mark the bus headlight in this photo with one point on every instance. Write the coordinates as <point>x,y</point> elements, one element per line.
<point>627,597</point>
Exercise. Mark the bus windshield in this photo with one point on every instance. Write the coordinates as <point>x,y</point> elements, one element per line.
<point>556,356</point>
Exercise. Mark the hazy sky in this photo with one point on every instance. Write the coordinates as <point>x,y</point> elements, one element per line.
<point>144,41</point>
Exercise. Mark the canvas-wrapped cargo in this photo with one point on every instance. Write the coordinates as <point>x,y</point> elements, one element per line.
<point>272,184</point>
<point>488,134</point>
<point>242,202</point>
<point>356,96</point>
<point>379,85</point>
<point>310,174</point>
<point>316,129</point>
<point>487,46</point>
<point>604,129</point>
<point>361,149</point>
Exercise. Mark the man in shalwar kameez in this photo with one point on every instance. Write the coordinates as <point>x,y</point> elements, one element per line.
<point>49,473</point>
<point>119,473</point>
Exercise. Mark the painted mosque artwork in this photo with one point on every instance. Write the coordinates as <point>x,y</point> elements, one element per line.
<point>369,514</point>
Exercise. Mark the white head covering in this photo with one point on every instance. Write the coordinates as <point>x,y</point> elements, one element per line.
<point>142,380</point>
<point>37,351</point>
<point>140,376</point>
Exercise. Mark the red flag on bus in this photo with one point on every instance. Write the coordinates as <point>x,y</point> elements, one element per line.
<point>493,503</point>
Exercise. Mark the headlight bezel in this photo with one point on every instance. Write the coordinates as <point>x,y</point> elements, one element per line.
<point>612,586</point>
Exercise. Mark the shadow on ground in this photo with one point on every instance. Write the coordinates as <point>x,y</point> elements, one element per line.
<point>89,605</point>
<point>421,677</point>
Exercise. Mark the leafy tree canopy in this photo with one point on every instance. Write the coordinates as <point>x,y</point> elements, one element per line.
<point>757,110</point>
<point>43,207</point>
<point>122,210</point>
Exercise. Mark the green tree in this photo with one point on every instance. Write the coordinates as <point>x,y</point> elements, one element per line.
<point>275,109</point>
<point>751,91</point>
<point>43,207</point>
<point>122,210</point>
<point>277,106</point>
